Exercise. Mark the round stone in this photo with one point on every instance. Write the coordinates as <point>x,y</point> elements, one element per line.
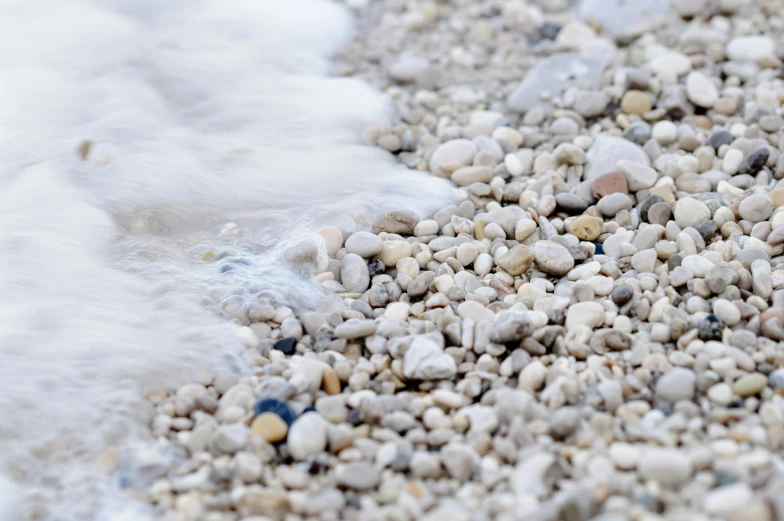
<point>307,436</point>
<point>354,273</point>
<point>701,90</point>
<point>364,244</point>
<point>667,466</point>
<point>270,426</point>
<point>456,153</point>
<point>518,260</point>
<point>611,204</point>
<point>676,385</point>
<point>756,208</point>
<point>613,182</point>
<point>690,212</point>
<point>552,258</point>
<point>665,132</point>
<point>635,102</point>
<point>393,251</point>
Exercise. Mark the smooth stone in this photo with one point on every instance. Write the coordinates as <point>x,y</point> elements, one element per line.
<point>552,74</point>
<point>393,251</point>
<point>612,245</point>
<point>611,183</point>
<point>354,273</point>
<point>646,206</point>
<point>611,204</point>
<point>750,384</point>
<point>730,498</point>
<point>622,294</point>
<point>307,436</point>
<point>747,256</point>
<point>358,475</point>
<point>667,466</point>
<point>552,258</point>
<point>569,201</point>
<point>425,360</point>
<point>589,314</point>
<point>333,238</point>
<point>270,427</point>
<point>287,345</point>
<point>720,137</point>
<point>756,208</point>
<point>659,213</point>
<point>676,385</point>
<point>472,174</point>
<point>637,176</point>
<point>364,244</point>
<point>459,152</point>
<point>754,162</point>
<point>690,212</point>
<point>586,227</point>
<point>638,133</point>
<point>355,328</point>
<point>701,90</point>
<point>635,102</point>
<point>606,151</point>
<point>644,261</point>
<point>751,48</point>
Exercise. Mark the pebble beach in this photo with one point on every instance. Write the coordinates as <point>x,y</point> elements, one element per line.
<point>591,330</point>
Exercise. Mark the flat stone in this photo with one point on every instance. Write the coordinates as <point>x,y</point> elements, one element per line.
<point>659,213</point>
<point>720,137</point>
<point>729,498</point>
<point>754,162</point>
<point>355,328</point>
<point>637,176</point>
<point>644,261</point>
<point>610,183</point>
<point>474,311</point>
<point>611,204</point>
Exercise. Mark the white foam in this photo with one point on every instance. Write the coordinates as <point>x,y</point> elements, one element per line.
<point>200,113</point>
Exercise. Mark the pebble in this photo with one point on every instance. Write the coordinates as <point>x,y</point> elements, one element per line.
<point>270,427</point>
<point>399,222</point>
<point>610,183</point>
<point>275,406</point>
<point>552,258</point>
<point>635,102</point>
<point>754,162</point>
<point>637,176</point>
<point>457,152</point>
<point>364,244</point>
<point>756,208</point>
<point>469,175</point>
<point>689,212</point>
<point>589,314</point>
<point>665,132</point>
<point>670,467</point>
<point>359,475</point>
<point>586,227</point>
<point>701,90</point>
<point>425,360</point>
<point>354,274</point>
<point>750,384</point>
<point>750,48</point>
<point>606,151</point>
<point>307,436</point>
<point>519,259</point>
<point>678,384</point>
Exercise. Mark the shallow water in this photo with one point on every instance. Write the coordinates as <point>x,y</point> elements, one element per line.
<point>212,127</point>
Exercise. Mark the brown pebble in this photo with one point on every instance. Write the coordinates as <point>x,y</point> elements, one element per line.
<point>611,183</point>
<point>330,381</point>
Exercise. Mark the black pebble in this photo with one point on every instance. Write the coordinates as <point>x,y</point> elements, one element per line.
<point>287,346</point>
<point>720,137</point>
<point>710,328</point>
<point>375,266</point>
<point>754,162</point>
<point>646,205</point>
<point>275,406</point>
<point>622,294</point>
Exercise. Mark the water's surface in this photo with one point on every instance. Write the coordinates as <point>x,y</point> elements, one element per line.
<point>200,114</point>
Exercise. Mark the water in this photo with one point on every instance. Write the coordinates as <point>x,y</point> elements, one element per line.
<point>213,127</point>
